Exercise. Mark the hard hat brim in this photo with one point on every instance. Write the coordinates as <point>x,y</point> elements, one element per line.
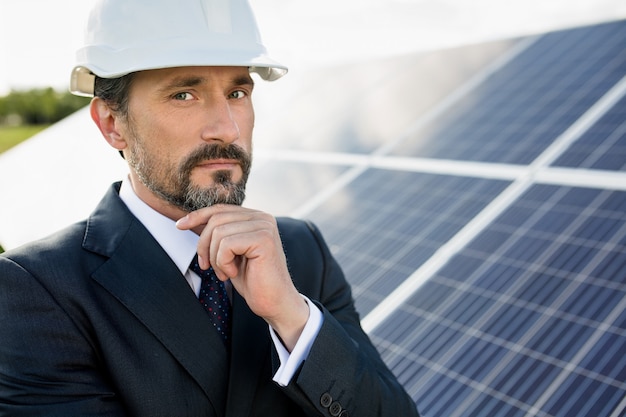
<point>82,80</point>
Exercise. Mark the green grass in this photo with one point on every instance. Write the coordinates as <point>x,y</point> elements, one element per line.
<point>11,136</point>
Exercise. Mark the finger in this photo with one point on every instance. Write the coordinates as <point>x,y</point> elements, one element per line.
<point>217,223</point>
<point>194,219</point>
<point>232,243</point>
<point>218,214</point>
<point>198,221</point>
<point>204,248</point>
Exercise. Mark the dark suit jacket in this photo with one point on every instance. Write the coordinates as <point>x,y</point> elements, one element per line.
<point>98,321</point>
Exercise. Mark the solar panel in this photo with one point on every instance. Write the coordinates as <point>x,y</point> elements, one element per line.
<point>485,236</point>
<point>521,309</point>
<point>524,106</point>
<point>387,223</point>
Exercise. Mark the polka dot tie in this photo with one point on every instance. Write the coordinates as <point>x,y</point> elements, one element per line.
<point>214,299</point>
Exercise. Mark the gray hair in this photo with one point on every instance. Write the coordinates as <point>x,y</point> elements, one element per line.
<point>115,92</point>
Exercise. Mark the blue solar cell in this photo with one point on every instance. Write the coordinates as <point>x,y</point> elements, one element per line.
<point>569,258</point>
<point>405,321</point>
<point>443,396</point>
<point>524,378</point>
<point>497,276</point>
<point>510,323</point>
<point>615,204</point>
<point>468,309</point>
<point>541,289</point>
<point>528,248</point>
<point>620,322</point>
<point>607,357</point>
<point>599,227</point>
<point>579,197</point>
<point>466,267</point>
<point>554,222</point>
<point>409,370</point>
<point>488,405</point>
<point>434,347</point>
<point>559,338</point>
<point>603,146</point>
<point>491,243</point>
<point>433,295</point>
<point>581,396</point>
<point>612,267</point>
<point>476,359</point>
<point>593,301</point>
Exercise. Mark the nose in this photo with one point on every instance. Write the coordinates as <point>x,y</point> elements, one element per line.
<point>220,124</point>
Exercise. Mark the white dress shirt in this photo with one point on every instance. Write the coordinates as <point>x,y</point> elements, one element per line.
<point>180,246</point>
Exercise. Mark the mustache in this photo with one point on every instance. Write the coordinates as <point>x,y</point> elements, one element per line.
<point>216,151</point>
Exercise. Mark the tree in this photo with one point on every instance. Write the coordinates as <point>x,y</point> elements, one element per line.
<point>38,106</point>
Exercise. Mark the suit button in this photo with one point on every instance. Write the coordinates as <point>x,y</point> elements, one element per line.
<point>326,400</point>
<point>335,409</point>
<point>344,413</point>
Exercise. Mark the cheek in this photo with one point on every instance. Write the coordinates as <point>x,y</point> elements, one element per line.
<point>162,137</point>
<point>150,145</point>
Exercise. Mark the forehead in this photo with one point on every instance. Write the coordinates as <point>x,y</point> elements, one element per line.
<point>159,79</point>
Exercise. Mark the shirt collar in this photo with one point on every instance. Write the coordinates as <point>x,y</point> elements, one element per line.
<point>180,245</point>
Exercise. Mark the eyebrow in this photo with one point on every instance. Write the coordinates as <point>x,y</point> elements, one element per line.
<point>181,82</point>
<point>193,81</point>
<point>243,80</point>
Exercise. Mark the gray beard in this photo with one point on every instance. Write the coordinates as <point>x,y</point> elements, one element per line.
<point>182,193</point>
<point>223,192</point>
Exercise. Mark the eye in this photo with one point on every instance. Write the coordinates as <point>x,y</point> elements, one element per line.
<point>182,96</point>
<point>237,94</point>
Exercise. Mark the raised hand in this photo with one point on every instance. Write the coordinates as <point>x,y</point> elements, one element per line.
<point>244,245</point>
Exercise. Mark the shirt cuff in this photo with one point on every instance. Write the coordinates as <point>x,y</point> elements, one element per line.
<point>290,362</point>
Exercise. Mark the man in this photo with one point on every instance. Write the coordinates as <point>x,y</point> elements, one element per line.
<point>103,318</point>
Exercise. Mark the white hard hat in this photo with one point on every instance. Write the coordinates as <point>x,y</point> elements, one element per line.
<point>124,36</point>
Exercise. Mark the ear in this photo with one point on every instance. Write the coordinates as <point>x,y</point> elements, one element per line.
<point>108,122</point>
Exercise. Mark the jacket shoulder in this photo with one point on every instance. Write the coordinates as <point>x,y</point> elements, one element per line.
<point>55,259</point>
<point>56,244</point>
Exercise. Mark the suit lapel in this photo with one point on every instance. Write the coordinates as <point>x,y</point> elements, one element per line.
<point>249,356</point>
<point>145,280</point>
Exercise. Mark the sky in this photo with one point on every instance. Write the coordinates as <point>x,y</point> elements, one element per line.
<point>38,37</point>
